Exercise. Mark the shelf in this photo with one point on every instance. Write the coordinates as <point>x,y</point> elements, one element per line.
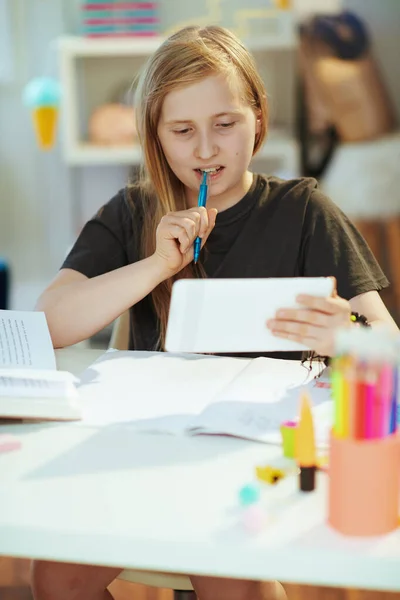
<point>86,47</point>
<point>279,144</point>
<point>85,153</point>
<point>81,47</point>
<point>90,68</point>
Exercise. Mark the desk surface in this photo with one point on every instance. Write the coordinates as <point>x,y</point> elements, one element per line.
<point>156,502</point>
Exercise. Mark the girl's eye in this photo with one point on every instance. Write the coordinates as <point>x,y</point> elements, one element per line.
<point>182,131</point>
<point>226,125</point>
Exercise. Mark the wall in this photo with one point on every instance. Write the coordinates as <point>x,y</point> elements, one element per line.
<point>34,187</point>
<point>39,195</point>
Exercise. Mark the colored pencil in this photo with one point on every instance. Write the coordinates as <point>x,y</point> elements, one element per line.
<point>305,446</point>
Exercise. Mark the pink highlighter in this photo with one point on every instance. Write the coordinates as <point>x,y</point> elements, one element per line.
<point>8,443</point>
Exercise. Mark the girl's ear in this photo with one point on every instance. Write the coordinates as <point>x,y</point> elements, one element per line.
<point>258,121</point>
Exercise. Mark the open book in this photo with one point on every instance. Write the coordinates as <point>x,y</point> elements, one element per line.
<point>30,385</point>
<point>201,394</point>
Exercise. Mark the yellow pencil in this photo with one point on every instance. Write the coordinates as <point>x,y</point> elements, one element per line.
<point>342,386</point>
<point>346,396</point>
<point>305,446</point>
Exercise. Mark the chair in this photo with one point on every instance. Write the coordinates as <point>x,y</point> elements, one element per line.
<point>180,584</point>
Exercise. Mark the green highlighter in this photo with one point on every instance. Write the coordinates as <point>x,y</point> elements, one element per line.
<point>288,431</point>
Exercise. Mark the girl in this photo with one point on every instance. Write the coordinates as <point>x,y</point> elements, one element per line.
<point>201,105</point>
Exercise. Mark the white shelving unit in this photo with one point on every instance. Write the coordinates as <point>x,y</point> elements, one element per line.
<point>83,153</point>
<point>90,69</point>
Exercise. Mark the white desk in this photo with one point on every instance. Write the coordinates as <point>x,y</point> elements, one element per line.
<point>155,502</point>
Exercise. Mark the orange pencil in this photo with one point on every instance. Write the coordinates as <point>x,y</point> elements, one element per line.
<point>305,446</point>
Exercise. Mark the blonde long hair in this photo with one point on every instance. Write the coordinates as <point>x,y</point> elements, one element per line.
<point>185,58</point>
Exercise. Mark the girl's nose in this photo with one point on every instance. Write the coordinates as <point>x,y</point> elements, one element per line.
<point>205,147</point>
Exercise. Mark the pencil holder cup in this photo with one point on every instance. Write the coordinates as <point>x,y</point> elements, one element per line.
<point>364,485</point>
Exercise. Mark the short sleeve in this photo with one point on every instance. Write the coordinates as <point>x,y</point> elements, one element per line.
<point>105,241</point>
<point>332,246</point>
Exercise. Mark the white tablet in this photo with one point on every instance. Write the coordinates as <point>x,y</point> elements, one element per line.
<point>230,315</point>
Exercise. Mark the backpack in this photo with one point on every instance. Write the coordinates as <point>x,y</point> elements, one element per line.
<point>343,97</point>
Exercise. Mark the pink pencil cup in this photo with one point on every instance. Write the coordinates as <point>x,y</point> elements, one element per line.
<point>364,485</point>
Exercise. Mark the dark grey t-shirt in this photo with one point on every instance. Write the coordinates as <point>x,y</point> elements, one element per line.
<point>279,229</point>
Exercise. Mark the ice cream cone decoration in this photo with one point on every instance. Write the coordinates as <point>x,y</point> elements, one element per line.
<point>42,96</point>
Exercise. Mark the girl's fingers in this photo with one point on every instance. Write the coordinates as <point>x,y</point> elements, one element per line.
<point>326,305</point>
<point>334,292</point>
<point>189,225</point>
<point>180,234</point>
<point>186,226</point>
<point>198,215</point>
<point>303,315</point>
<point>304,340</point>
<point>212,215</point>
<point>292,329</point>
<point>204,220</point>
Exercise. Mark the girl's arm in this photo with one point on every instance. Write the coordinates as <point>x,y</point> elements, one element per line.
<point>77,307</point>
<point>371,305</point>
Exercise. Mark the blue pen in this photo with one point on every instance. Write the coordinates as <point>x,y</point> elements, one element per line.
<point>202,199</point>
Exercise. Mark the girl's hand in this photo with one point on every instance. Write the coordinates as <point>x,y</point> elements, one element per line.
<point>315,324</point>
<point>175,237</point>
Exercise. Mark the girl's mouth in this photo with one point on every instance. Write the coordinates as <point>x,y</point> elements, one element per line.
<point>212,174</point>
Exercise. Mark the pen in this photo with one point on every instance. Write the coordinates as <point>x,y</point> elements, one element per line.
<point>202,199</point>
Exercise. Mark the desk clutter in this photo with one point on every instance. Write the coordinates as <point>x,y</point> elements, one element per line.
<point>364,444</point>
<point>348,412</point>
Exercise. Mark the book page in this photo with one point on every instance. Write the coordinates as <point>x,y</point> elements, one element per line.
<point>28,383</point>
<point>25,341</point>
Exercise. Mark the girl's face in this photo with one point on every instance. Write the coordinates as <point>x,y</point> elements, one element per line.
<point>209,125</point>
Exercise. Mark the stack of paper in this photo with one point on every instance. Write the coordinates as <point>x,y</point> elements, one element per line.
<point>192,394</point>
<point>186,394</point>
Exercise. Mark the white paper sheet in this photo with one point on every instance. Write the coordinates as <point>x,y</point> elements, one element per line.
<point>151,390</point>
